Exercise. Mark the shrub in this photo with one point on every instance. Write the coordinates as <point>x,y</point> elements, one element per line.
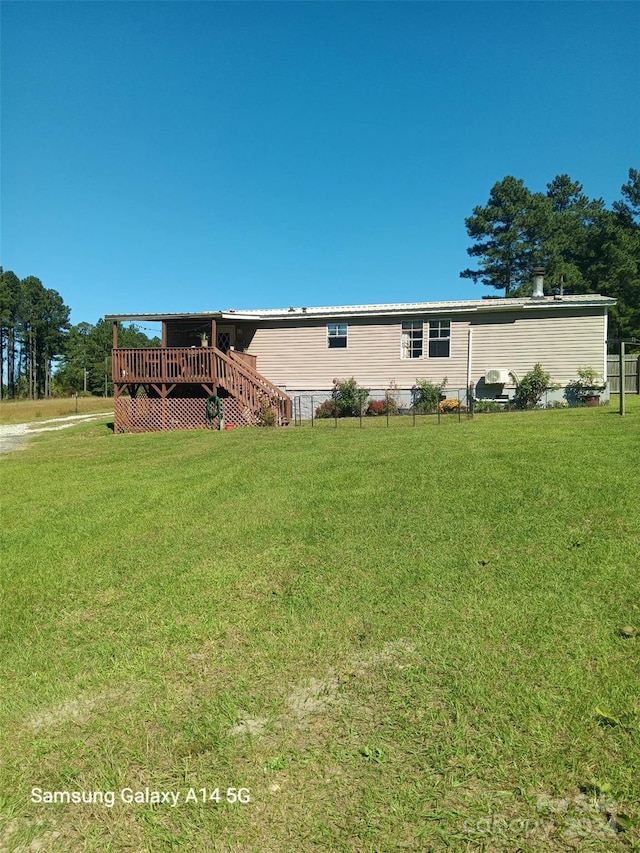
<point>425,396</point>
<point>349,397</point>
<point>486,406</point>
<point>392,399</point>
<point>451,404</point>
<point>387,406</point>
<point>531,388</point>
<point>377,407</point>
<point>588,384</point>
<point>327,409</point>
<point>267,415</point>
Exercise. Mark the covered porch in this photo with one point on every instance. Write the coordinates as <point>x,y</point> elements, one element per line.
<point>180,383</point>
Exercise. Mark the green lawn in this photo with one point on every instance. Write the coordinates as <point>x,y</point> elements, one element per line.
<point>395,639</point>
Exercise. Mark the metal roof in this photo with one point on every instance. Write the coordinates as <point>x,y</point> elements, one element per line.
<point>384,309</point>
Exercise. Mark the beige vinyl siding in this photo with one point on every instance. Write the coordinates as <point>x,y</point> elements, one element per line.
<point>297,356</point>
<point>562,341</point>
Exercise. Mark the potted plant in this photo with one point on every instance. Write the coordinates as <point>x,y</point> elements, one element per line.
<point>588,387</point>
<point>204,339</point>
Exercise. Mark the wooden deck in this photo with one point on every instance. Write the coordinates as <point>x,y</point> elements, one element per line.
<point>165,368</point>
<point>175,364</point>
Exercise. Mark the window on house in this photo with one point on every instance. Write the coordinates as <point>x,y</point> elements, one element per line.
<point>224,341</point>
<point>439,338</point>
<point>411,340</point>
<point>336,335</point>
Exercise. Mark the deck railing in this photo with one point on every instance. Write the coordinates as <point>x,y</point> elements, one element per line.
<point>164,364</point>
<point>182,365</point>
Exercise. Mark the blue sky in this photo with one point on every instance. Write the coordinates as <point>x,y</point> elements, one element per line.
<point>178,156</point>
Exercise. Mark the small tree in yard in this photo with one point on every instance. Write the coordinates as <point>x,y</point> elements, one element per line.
<point>532,387</point>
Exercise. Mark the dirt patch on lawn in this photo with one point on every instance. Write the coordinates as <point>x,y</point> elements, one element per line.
<point>77,711</point>
<point>320,694</point>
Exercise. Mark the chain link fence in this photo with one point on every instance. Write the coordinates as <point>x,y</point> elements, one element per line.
<point>379,407</point>
<point>456,403</point>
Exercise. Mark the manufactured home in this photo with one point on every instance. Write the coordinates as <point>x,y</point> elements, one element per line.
<point>248,359</point>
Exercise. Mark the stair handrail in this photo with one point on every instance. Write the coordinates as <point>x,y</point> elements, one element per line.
<point>252,373</point>
<point>239,368</point>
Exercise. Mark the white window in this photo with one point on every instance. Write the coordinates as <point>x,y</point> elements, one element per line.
<point>412,340</point>
<point>337,335</point>
<point>439,338</point>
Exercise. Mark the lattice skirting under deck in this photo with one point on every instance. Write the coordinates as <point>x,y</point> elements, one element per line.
<point>141,414</point>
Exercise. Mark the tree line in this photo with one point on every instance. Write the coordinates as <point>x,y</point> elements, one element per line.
<point>42,354</point>
<point>85,364</point>
<point>583,246</point>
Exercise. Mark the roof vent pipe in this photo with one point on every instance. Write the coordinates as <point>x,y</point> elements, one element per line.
<point>538,282</point>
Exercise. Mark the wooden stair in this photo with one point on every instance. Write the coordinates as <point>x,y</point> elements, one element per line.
<point>252,389</point>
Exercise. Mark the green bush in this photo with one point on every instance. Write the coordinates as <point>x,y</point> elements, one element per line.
<point>425,396</point>
<point>588,384</point>
<point>532,387</point>
<point>349,398</point>
<point>486,406</point>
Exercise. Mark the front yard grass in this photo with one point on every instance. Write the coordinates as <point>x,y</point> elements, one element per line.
<point>395,639</point>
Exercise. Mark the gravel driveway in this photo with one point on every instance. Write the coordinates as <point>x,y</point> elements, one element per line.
<point>14,436</point>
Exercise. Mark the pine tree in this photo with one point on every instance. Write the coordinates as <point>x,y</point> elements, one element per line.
<point>506,232</point>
